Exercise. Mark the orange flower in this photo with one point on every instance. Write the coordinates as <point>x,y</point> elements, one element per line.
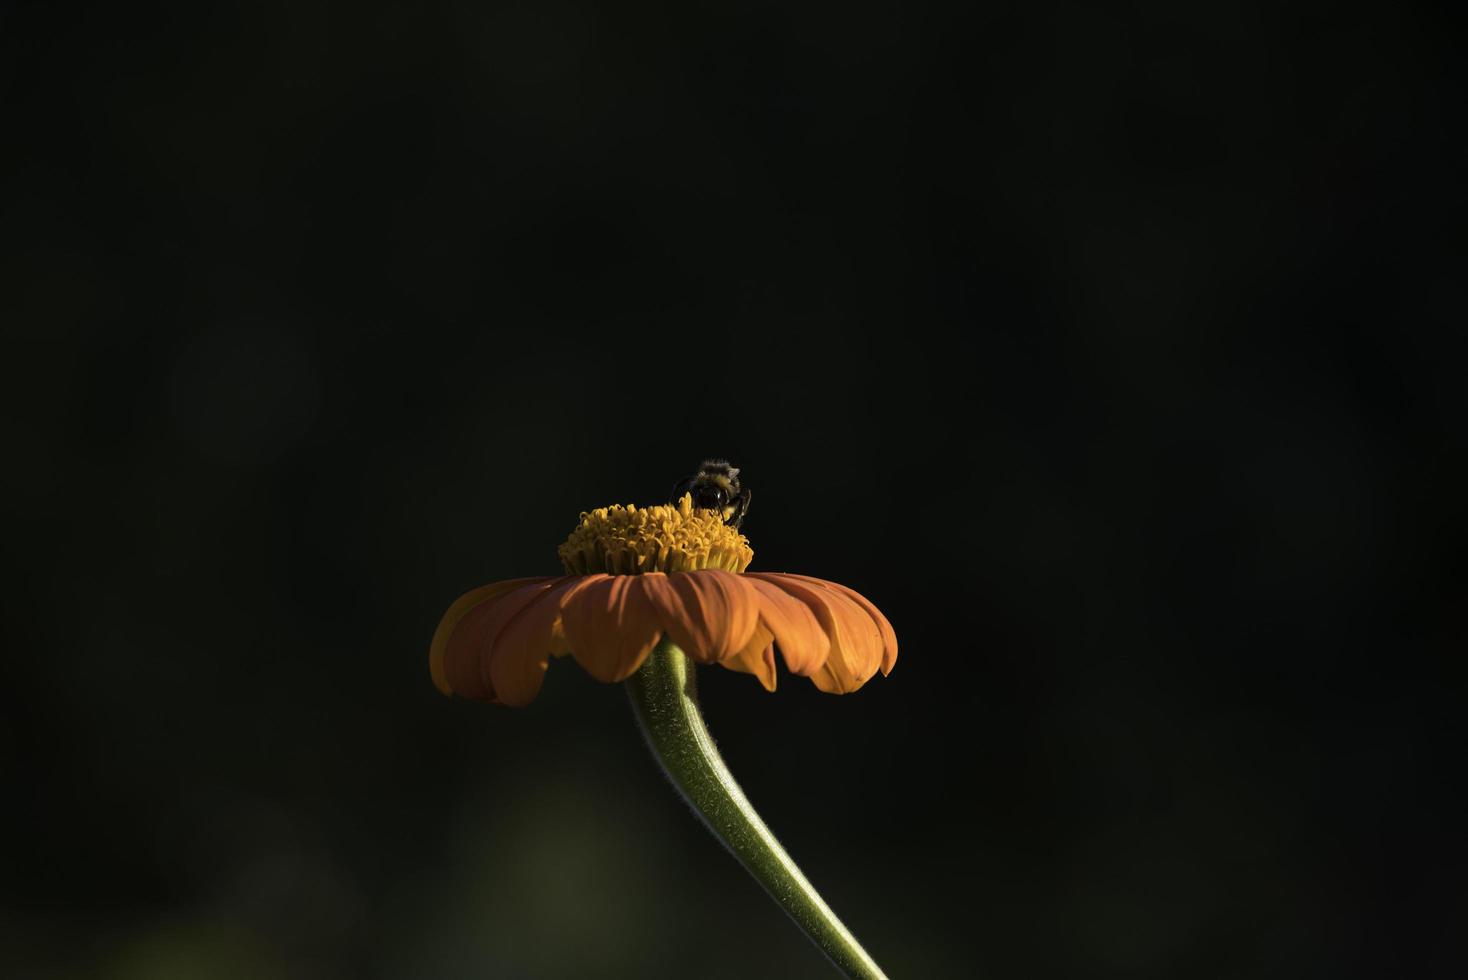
<point>636,575</point>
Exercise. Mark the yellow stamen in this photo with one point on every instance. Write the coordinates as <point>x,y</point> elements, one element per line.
<point>663,538</point>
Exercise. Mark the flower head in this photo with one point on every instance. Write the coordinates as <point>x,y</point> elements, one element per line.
<point>635,575</point>
<point>666,538</point>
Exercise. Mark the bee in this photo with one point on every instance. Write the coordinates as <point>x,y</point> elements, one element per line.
<point>716,487</point>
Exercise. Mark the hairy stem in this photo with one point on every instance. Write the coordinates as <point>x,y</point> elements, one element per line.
<point>665,701</point>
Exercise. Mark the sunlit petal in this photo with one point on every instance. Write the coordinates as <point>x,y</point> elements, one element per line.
<point>856,645</point>
<point>610,626</point>
<point>711,614</point>
<point>802,642</point>
<point>888,634</point>
<point>757,658</point>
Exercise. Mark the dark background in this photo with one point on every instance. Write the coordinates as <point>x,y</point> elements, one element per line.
<point>1102,346</point>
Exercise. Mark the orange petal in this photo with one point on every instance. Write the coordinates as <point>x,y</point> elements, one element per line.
<point>453,654</point>
<point>856,645</point>
<point>709,613</point>
<point>611,627</point>
<point>515,667</point>
<point>861,639</point>
<point>451,619</point>
<point>470,674</point>
<point>757,658</point>
<point>796,631</point>
<point>889,635</point>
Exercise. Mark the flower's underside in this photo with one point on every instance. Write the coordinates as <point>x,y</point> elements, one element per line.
<point>674,573</point>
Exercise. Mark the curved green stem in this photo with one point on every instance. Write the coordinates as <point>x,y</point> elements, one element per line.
<point>665,700</point>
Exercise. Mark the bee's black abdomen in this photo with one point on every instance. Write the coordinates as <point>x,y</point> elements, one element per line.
<point>713,497</point>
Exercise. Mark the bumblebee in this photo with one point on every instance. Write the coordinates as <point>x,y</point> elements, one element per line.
<point>716,487</point>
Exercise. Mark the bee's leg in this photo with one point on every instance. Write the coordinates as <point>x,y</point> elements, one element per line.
<point>741,507</point>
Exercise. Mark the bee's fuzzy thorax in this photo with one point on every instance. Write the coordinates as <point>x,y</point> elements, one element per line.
<point>719,467</point>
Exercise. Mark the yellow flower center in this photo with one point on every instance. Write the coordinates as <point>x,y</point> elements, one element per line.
<point>663,538</point>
